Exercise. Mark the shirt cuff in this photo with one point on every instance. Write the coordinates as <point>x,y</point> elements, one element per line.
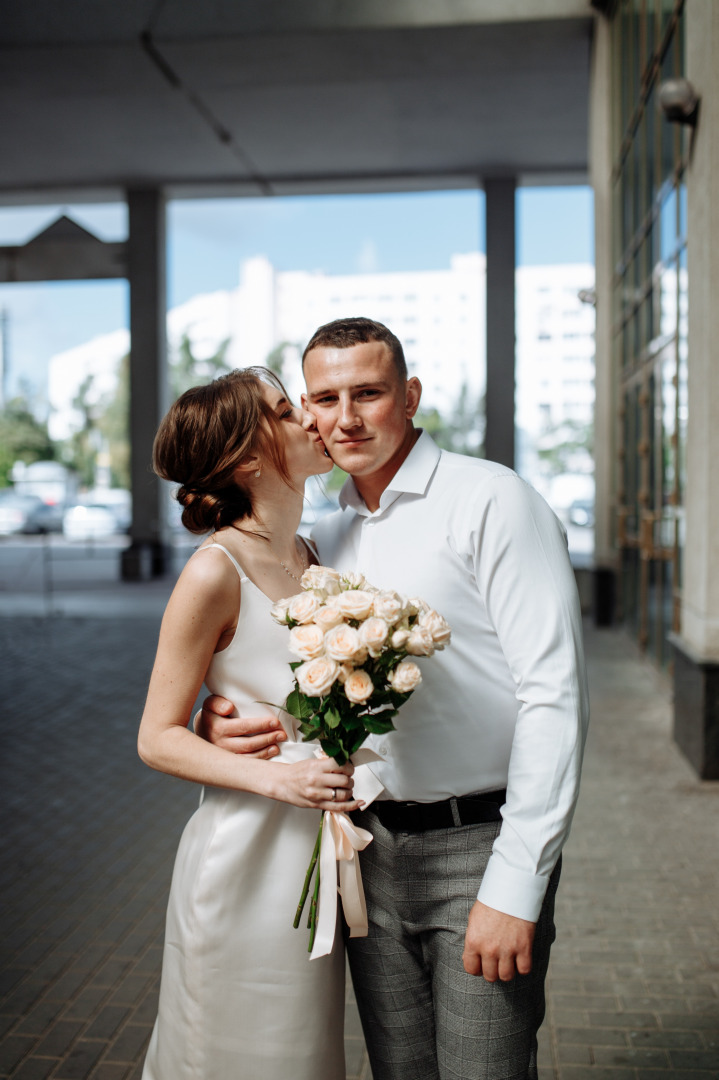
<point>512,891</point>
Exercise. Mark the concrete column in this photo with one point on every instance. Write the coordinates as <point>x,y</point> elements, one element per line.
<point>148,363</point>
<point>605,408</point>
<point>697,647</point>
<point>500,232</point>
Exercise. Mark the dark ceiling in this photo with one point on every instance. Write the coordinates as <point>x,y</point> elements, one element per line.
<point>280,98</point>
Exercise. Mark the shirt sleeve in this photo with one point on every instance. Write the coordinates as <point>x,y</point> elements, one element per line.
<point>526,580</point>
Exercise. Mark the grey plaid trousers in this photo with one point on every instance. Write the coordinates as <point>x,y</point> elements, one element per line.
<point>423,1017</point>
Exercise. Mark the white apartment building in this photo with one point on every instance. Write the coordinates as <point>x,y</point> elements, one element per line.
<point>439,315</point>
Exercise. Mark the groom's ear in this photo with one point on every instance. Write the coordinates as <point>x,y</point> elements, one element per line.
<point>414,394</point>
<point>304,402</point>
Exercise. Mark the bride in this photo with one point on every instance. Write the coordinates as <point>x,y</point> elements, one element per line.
<point>239,997</point>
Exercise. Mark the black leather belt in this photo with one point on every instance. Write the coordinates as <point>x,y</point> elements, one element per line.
<point>421,817</point>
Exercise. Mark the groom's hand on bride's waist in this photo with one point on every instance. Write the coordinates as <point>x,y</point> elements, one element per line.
<point>254,735</point>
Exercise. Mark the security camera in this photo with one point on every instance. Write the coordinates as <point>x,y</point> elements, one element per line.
<point>679,101</point>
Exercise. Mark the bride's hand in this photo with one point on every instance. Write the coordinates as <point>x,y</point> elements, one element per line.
<point>317,783</point>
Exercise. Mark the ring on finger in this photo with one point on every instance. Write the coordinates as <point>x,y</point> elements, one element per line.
<point>334,793</point>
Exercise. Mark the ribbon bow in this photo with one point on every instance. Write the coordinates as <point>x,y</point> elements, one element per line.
<point>341,840</point>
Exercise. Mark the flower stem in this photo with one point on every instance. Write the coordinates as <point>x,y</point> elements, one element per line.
<point>308,875</point>
<point>313,909</point>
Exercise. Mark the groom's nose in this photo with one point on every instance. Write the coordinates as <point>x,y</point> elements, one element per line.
<point>348,416</point>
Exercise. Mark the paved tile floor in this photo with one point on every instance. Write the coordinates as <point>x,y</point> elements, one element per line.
<point>89,836</point>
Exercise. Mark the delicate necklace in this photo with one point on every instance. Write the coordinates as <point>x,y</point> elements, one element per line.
<point>284,566</point>
<point>288,571</point>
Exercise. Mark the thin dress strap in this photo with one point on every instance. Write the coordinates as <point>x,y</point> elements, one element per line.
<point>230,556</point>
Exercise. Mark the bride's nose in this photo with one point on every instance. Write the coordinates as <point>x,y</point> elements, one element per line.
<point>308,421</point>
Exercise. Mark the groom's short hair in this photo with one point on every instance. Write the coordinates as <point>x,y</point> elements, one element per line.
<point>344,333</point>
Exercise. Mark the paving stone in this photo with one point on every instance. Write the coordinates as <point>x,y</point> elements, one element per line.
<point>592,1036</point>
<point>695,1059</point>
<point>34,1068</point>
<point>109,1071</point>
<point>574,1054</point>
<point>636,954</point>
<point>604,1055</point>
<point>129,1043</point>
<point>79,1062</point>
<point>58,1038</point>
<point>13,1049</point>
<point>107,1022</point>
<point>676,1039</point>
<point>594,1072</point>
<point>626,1019</point>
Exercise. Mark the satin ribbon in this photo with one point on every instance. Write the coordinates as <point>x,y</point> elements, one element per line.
<point>341,840</point>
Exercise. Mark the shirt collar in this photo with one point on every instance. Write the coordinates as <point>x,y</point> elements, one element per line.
<point>412,477</point>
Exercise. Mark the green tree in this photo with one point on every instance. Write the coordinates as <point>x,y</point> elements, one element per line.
<point>275,360</point>
<point>22,437</point>
<point>79,451</point>
<point>564,445</point>
<point>462,429</point>
<point>188,370</point>
<point>106,422</point>
<point>113,425</point>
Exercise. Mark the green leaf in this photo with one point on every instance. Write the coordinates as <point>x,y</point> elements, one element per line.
<point>332,717</point>
<point>294,704</point>
<point>377,725</point>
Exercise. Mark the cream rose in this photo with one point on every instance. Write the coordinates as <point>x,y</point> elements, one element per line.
<point>373,633</point>
<point>327,617</point>
<point>343,643</point>
<point>419,642</point>
<point>399,639</point>
<point>322,578</point>
<point>405,677</point>
<point>355,604</point>
<point>388,606</point>
<point>302,607</point>
<point>278,611</point>
<point>307,641</point>
<point>349,580</point>
<point>438,627</point>
<point>316,677</point>
<point>415,605</point>
<point>358,686</point>
<point>344,673</point>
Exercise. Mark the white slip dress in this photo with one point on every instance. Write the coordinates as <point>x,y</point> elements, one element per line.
<point>240,998</point>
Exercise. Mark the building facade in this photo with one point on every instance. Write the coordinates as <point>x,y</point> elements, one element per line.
<point>653,161</point>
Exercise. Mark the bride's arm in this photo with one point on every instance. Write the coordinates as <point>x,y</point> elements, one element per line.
<point>203,605</point>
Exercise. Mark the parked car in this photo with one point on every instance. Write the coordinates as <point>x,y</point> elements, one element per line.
<point>89,522</point>
<point>581,512</point>
<point>15,510</point>
<point>45,519</point>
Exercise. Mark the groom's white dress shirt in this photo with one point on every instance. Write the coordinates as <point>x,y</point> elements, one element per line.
<point>505,704</point>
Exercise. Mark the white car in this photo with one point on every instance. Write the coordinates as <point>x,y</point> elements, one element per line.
<point>89,522</point>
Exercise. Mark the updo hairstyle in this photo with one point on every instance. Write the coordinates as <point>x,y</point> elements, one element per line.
<point>206,434</point>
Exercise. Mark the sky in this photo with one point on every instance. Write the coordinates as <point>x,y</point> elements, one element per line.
<point>208,239</point>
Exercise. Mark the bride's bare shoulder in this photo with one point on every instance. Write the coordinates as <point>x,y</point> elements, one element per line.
<point>211,571</point>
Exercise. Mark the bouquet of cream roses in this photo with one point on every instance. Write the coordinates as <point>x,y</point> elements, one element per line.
<point>354,670</point>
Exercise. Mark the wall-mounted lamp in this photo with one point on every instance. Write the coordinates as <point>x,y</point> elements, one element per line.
<point>679,101</point>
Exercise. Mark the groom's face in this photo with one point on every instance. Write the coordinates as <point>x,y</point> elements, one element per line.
<point>362,406</point>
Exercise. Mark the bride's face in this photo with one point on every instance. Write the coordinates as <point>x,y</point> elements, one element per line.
<point>304,449</point>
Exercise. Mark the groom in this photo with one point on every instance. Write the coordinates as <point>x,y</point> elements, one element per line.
<point>481,776</point>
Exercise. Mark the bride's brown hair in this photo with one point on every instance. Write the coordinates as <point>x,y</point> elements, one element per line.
<point>206,434</point>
